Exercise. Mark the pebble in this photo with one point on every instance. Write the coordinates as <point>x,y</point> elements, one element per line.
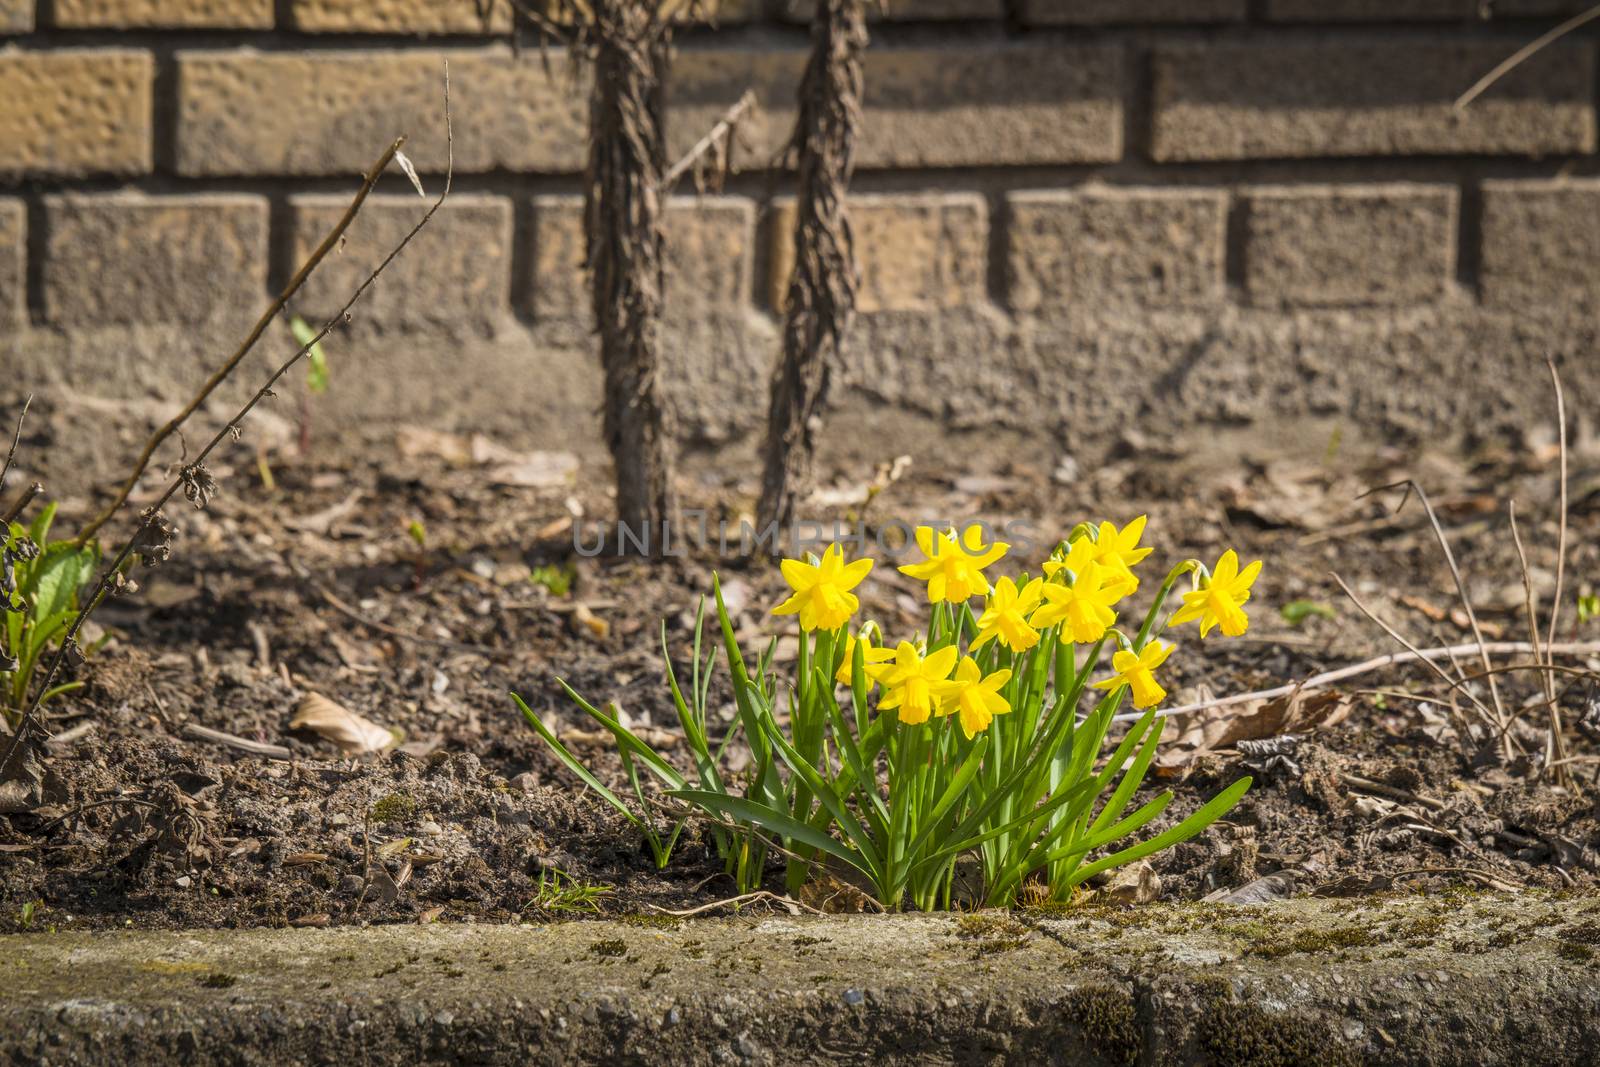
<point>854,997</point>
<point>430,829</point>
<point>527,781</point>
<point>185,882</point>
<point>350,883</point>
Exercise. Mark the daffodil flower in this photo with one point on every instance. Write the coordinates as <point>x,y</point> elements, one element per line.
<point>1084,607</point>
<point>975,699</point>
<point>822,596</point>
<point>1119,551</point>
<point>1006,615</point>
<point>871,656</point>
<point>954,566</point>
<point>1220,601</point>
<point>1136,670</point>
<point>909,681</point>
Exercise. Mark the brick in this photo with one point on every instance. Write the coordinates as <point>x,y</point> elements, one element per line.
<point>1069,248</point>
<point>402,16</point>
<point>16,16</point>
<point>1540,242</point>
<point>456,273</point>
<point>174,14</point>
<point>1365,97</point>
<point>1101,12</point>
<point>1370,10</point>
<point>75,112</point>
<point>333,112</point>
<point>13,264</point>
<point>709,247</point>
<point>994,104</point>
<point>905,10</point>
<point>917,252</point>
<point>124,258</point>
<point>1315,246</point>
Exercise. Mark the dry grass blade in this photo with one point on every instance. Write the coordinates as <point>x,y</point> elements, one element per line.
<point>1561,529</point>
<point>356,735</point>
<point>153,514</point>
<point>16,439</point>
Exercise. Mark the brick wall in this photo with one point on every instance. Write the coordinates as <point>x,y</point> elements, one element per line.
<point>1233,199</point>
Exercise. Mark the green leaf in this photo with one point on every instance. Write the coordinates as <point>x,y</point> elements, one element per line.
<point>316,359</point>
<point>1296,612</point>
<point>1214,810</point>
<point>775,822</point>
<point>576,767</point>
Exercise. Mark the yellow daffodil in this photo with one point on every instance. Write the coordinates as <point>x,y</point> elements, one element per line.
<point>1136,670</point>
<point>1084,607</point>
<point>909,681</point>
<point>871,656</point>
<point>975,699</point>
<point>1220,601</point>
<point>822,596</point>
<point>1006,615</point>
<point>1119,551</point>
<point>954,566</point>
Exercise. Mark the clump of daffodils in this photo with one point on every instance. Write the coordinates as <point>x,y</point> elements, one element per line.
<point>990,723</point>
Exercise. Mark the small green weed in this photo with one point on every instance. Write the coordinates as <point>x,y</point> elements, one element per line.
<point>561,892</point>
<point>40,581</point>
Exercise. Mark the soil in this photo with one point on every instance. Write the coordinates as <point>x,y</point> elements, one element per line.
<point>317,585</point>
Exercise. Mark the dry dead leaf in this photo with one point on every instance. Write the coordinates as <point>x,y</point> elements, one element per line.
<point>1130,885</point>
<point>1213,729</point>
<point>586,622</point>
<point>1258,891</point>
<point>536,470</point>
<point>334,722</point>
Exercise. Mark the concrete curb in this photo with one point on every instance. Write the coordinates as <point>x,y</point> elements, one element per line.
<point>1445,980</point>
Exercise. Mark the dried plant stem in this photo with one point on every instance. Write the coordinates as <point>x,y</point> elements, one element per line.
<point>719,134</point>
<point>228,430</point>
<point>1502,718</point>
<point>16,439</point>
<point>1521,55</point>
<point>1489,716</point>
<point>1561,529</point>
<point>329,243</point>
<point>821,300</point>
<point>1392,659</point>
<point>18,506</point>
<point>1555,753</point>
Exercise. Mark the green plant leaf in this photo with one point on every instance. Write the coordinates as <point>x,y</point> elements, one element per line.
<point>1218,806</point>
<point>316,359</point>
<point>774,822</point>
<point>1296,612</point>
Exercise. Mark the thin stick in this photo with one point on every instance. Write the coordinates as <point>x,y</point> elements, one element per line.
<point>1517,58</point>
<point>24,498</point>
<point>1409,647</point>
<point>1555,748</point>
<point>723,127</point>
<point>760,894</point>
<point>394,631</point>
<point>1412,486</point>
<point>243,744</point>
<point>16,439</point>
<point>329,243</point>
<point>227,431</point>
<point>1392,659</point>
<point>1561,535</point>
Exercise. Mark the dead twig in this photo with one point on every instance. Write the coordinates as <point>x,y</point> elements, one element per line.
<point>721,132</point>
<point>20,505</point>
<point>329,243</point>
<point>1555,752</point>
<point>794,907</point>
<point>1367,785</point>
<point>1392,659</point>
<point>16,439</point>
<point>1488,715</point>
<point>1521,55</point>
<point>1502,719</point>
<point>187,477</point>
<point>1561,529</point>
<point>243,744</point>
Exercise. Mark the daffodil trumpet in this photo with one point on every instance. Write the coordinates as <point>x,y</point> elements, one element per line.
<point>885,759</point>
